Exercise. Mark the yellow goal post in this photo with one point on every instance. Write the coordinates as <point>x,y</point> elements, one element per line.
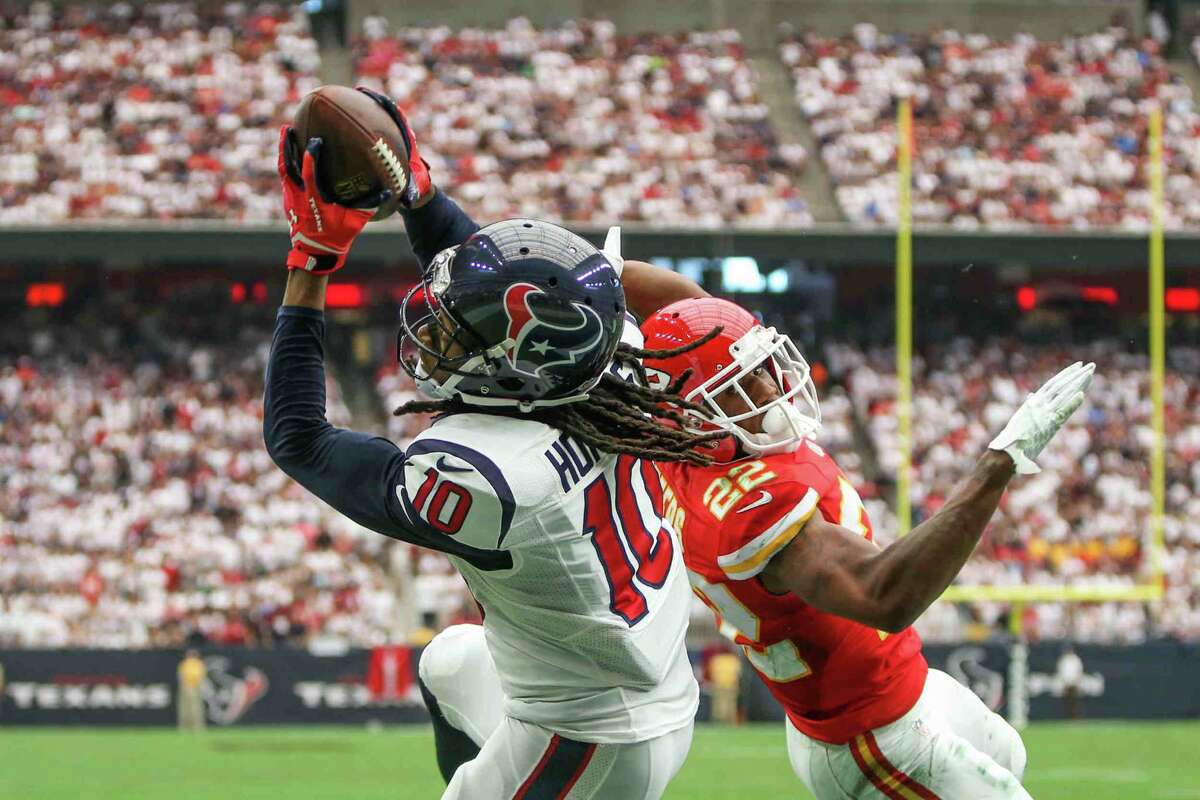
<point>1020,595</point>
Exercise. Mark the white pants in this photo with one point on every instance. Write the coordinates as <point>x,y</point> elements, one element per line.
<point>949,746</point>
<point>522,761</point>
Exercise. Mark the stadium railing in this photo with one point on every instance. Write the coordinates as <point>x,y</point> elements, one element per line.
<point>834,245</point>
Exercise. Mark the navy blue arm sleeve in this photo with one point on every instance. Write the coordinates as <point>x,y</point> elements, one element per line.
<point>355,473</point>
<point>438,224</point>
<point>361,476</point>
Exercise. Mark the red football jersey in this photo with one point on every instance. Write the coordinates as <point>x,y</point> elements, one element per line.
<point>835,678</point>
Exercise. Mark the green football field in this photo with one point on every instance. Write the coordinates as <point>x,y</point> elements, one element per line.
<point>1088,761</point>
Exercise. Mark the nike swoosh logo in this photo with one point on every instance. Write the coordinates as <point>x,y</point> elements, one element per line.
<point>762,501</point>
<point>442,466</point>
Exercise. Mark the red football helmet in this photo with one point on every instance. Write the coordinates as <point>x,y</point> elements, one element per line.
<point>720,365</point>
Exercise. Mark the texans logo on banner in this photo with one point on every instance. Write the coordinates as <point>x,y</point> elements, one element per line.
<point>227,696</point>
<point>965,664</point>
<point>535,338</point>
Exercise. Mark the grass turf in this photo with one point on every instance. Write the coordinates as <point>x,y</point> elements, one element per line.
<point>1090,761</point>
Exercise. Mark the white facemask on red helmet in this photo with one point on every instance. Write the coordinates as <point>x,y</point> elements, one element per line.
<point>720,365</point>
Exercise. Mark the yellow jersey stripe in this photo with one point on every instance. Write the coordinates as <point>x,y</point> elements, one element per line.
<point>750,559</point>
<point>767,551</point>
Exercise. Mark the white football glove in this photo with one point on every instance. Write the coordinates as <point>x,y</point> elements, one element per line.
<point>1041,415</point>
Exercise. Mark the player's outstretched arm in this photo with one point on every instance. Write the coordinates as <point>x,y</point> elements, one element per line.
<point>649,288</point>
<point>435,225</point>
<point>433,221</point>
<point>837,570</point>
<point>353,472</point>
<point>834,569</point>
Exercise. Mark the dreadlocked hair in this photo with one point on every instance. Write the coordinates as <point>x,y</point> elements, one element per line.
<point>618,416</point>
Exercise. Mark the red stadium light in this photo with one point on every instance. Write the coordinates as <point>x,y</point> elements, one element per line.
<point>1183,300</point>
<point>345,295</point>
<point>45,294</point>
<point>401,292</point>
<point>237,293</point>
<point>1099,294</point>
<point>1027,298</point>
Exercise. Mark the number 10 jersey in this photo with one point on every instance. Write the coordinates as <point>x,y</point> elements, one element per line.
<point>581,582</point>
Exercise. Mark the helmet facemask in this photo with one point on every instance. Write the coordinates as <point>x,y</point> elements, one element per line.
<point>787,419</point>
<point>433,347</point>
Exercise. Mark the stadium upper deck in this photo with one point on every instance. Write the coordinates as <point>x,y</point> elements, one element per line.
<point>157,111</point>
<point>583,125</point>
<point>167,111</point>
<point>1008,134</point>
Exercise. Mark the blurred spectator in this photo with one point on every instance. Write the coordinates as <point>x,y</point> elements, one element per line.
<point>579,124</point>
<point>1084,520</point>
<point>141,508</point>
<point>189,700</point>
<point>155,111</point>
<point>1008,134</point>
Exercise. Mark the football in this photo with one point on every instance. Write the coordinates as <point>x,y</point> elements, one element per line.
<point>363,151</point>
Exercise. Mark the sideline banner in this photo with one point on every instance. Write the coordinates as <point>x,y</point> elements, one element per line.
<point>252,687</point>
<point>1157,680</point>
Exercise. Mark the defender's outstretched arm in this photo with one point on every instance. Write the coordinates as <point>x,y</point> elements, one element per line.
<point>838,571</point>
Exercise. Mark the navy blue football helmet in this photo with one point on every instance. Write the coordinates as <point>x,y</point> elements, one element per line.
<point>523,314</point>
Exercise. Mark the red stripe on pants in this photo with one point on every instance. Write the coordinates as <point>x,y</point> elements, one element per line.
<point>587,759</point>
<point>537,771</point>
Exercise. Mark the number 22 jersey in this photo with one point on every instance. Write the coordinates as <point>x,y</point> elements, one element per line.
<point>834,677</point>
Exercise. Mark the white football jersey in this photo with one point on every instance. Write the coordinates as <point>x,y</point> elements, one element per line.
<point>581,580</point>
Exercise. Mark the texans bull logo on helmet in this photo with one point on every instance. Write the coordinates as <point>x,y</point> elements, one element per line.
<point>546,337</point>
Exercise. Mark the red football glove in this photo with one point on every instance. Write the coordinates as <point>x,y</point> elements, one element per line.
<point>321,230</point>
<point>419,183</point>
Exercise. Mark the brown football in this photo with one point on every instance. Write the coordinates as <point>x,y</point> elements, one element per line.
<point>363,151</point>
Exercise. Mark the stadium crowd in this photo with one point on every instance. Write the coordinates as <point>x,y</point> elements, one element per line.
<point>1007,134</point>
<point>1085,520</point>
<point>168,111</point>
<point>581,124</point>
<point>141,508</point>
<point>156,111</point>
